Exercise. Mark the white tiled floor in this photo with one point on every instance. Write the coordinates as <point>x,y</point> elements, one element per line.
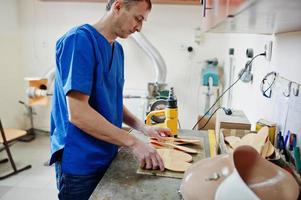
<point>33,184</point>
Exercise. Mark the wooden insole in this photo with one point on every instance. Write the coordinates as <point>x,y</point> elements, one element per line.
<point>257,141</point>
<point>175,154</point>
<point>173,146</point>
<point>180,140</point>
<point>175,160</point>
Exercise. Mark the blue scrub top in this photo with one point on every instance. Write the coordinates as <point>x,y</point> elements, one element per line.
<point>86,62</point>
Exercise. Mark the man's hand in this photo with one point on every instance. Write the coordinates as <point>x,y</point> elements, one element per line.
<point>156,132</point>
<point>147,156</point>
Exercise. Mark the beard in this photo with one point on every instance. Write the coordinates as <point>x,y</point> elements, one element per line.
<point>122,31</point>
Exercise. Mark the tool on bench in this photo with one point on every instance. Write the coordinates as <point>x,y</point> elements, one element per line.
<point>170,113</point>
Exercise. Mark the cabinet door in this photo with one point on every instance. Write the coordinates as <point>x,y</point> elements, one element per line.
<point>216,11</point>
<point>213,12</point>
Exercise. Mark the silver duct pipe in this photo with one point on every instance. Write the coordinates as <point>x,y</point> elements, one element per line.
<point>154,55</point>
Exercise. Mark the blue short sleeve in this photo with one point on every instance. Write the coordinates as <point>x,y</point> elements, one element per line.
<point>76,61</point>
<point>86,62</point>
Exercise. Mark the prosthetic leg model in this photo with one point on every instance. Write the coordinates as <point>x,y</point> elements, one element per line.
<point>170,113</point>
<point>241,175</point>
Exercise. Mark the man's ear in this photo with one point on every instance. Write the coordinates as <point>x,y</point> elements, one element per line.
<point>117,5</point>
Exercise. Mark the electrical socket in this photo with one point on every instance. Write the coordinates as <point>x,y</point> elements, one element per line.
<point>268,50</point>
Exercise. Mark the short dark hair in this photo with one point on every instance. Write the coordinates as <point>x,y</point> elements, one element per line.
<point>129,3</point>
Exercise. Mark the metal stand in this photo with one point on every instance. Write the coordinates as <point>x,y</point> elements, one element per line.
<point>30,132</point>
<point>28,137</point>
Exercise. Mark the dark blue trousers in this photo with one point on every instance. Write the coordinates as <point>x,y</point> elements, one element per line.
<point>73,187</point>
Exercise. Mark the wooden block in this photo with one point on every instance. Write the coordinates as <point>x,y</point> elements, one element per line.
<point>237,120</point>
<point>272,128</point>
<point>210,125</point>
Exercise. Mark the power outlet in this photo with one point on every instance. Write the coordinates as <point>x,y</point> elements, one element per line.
<point>268,50</point>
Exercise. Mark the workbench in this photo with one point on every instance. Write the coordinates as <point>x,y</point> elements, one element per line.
<point>121,182</point>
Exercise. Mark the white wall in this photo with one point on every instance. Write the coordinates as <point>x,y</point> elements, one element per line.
<point>43,23</point>
<point>285,60</point>
<point>11,112</point>
<point>170,28</point>
<point>246,96</point>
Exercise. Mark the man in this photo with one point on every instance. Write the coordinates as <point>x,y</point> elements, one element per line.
<point>87,109</point>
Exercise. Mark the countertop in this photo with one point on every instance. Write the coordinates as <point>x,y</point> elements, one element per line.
<point>121,182</point>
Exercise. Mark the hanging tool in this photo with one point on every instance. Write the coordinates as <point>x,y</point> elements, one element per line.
<point>296,89</point>
<point>267,84</point>
<point>246,73</point>
<point>288,92</point>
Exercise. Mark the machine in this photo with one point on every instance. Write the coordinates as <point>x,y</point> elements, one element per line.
<point>210,79</point>
<point>37,93</point>
<point>169,114</point>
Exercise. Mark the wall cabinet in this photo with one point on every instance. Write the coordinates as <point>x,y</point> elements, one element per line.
<point>251,16</point>
<point>186,2</point>
<point>215,12</point>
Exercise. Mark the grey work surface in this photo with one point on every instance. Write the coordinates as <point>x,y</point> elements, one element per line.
<point>122,182</point>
